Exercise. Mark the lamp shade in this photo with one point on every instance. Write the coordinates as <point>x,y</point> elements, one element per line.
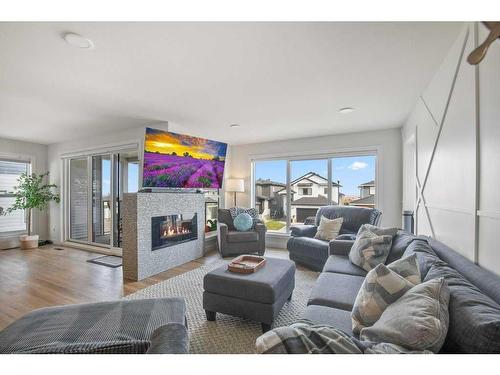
<point>235,185</point>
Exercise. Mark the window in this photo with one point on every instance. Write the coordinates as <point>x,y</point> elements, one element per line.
<point>305,191</point>
<point>290,191</point>
<point>270,193</point>
<point>10,171</point>
<point>356,174</point>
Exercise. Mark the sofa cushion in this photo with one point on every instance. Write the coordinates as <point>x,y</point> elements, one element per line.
<point>310,247</point>
<point>474,317</point>
<point>342,264</point>
<point>383,286</point>
<point>400,242</point>
<point>371,247</point>
<point>416,321</point>
<point>266,286</point>
<point>335,290</point>
<point>329,316</point>
<point>235,236</point>
<point>328,229</point>
<point>426,257</point>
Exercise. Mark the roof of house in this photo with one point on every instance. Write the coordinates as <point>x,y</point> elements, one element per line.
<point>369,183</point>
<point>320,200</point>
<point>308,174</point>
<point>370,199</point>
<point>261,181</point>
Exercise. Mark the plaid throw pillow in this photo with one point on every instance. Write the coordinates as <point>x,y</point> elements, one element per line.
<point>372,246</point>
<point>382,286</point>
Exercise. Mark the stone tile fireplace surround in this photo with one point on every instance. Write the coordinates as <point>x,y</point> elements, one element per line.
<point>170,213</point>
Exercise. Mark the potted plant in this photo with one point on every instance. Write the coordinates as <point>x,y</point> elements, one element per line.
<point>32,193</point>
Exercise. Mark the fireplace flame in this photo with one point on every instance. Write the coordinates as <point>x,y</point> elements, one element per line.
<point>173,231</point>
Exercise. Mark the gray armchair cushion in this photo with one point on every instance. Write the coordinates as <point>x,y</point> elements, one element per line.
<point>342,264</point>
<point>303,230</point>
<point>235,236</point>
<point>354,217</point>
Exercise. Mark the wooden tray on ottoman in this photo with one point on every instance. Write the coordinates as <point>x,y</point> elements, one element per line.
<point>246,264</point>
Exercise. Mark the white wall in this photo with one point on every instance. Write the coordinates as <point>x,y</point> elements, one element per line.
<point>38,154</point>
<point>451,150</point>
<point>388,143</point>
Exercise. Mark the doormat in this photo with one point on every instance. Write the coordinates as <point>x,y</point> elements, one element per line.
<point>108,261</point>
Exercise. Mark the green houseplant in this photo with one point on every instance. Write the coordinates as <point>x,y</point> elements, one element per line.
<point>32,193</point>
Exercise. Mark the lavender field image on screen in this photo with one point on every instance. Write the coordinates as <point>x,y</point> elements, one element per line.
<point>181,161</point>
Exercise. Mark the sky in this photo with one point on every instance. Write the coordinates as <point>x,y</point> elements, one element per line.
<point>350,171</point>
<point>133,177</point>
<point>167,142</point>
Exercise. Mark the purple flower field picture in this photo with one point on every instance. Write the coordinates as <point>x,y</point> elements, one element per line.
<point>181,161</point>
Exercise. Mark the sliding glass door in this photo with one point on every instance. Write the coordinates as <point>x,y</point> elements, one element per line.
<point>78,198</point>
<point>95,190</point>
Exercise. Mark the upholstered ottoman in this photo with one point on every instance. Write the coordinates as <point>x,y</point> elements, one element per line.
<point>257,296</point>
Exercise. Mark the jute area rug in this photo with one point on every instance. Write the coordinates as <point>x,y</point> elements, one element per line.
<point>227,335</point>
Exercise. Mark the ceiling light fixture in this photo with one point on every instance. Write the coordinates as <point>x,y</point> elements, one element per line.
<point>78,41</point>
<point>346,110</point>
<point>234,126</point>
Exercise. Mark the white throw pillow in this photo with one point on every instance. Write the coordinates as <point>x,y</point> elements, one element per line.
<point>328,229</point>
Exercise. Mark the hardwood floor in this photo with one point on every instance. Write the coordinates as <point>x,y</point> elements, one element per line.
<point>31,279</point>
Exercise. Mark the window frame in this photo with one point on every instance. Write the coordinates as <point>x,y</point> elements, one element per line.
<point>304,156</point>
<point>29,161</point>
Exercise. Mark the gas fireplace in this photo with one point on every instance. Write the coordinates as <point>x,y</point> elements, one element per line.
<point>171,230</point>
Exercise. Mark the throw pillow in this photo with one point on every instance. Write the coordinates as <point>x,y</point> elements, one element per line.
<point>382,286</point>
<point>372,246</point>
<point>417,321</point>
<point>235,211</point>
<point>243,222</point>
<point>328,229</point>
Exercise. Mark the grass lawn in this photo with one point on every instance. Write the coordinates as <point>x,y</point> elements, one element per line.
<point>275,224</point>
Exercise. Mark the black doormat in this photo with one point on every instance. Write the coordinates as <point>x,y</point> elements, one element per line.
<point>108,261</point>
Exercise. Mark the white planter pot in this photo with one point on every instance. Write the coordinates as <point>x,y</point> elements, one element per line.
<point>28,242</point>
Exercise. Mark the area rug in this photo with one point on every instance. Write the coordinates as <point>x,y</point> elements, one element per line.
<point>227,335</point>
<point>108,261</point>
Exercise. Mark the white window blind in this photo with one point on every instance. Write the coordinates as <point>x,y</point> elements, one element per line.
<point>9,175</point>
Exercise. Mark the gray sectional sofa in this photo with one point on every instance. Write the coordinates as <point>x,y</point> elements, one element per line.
<point>313,253</point>
<point>474,302</point>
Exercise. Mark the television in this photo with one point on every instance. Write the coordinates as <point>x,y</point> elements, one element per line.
<point>174,160</point>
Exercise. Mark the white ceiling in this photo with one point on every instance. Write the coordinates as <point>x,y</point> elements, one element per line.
<point>278,80</point>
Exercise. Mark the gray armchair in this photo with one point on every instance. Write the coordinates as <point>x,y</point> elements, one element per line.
<point>232,242</point>
<point>312,252</point>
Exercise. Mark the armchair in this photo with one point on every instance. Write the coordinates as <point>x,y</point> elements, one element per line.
<point>232,242</point>
<point>312,252</point>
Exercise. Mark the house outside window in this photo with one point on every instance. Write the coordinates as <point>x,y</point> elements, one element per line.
<point>10,171</point>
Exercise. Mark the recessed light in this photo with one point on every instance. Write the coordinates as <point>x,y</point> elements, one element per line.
<point>234,125</point>
<point>78,41</point>
<point>346,110</point>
